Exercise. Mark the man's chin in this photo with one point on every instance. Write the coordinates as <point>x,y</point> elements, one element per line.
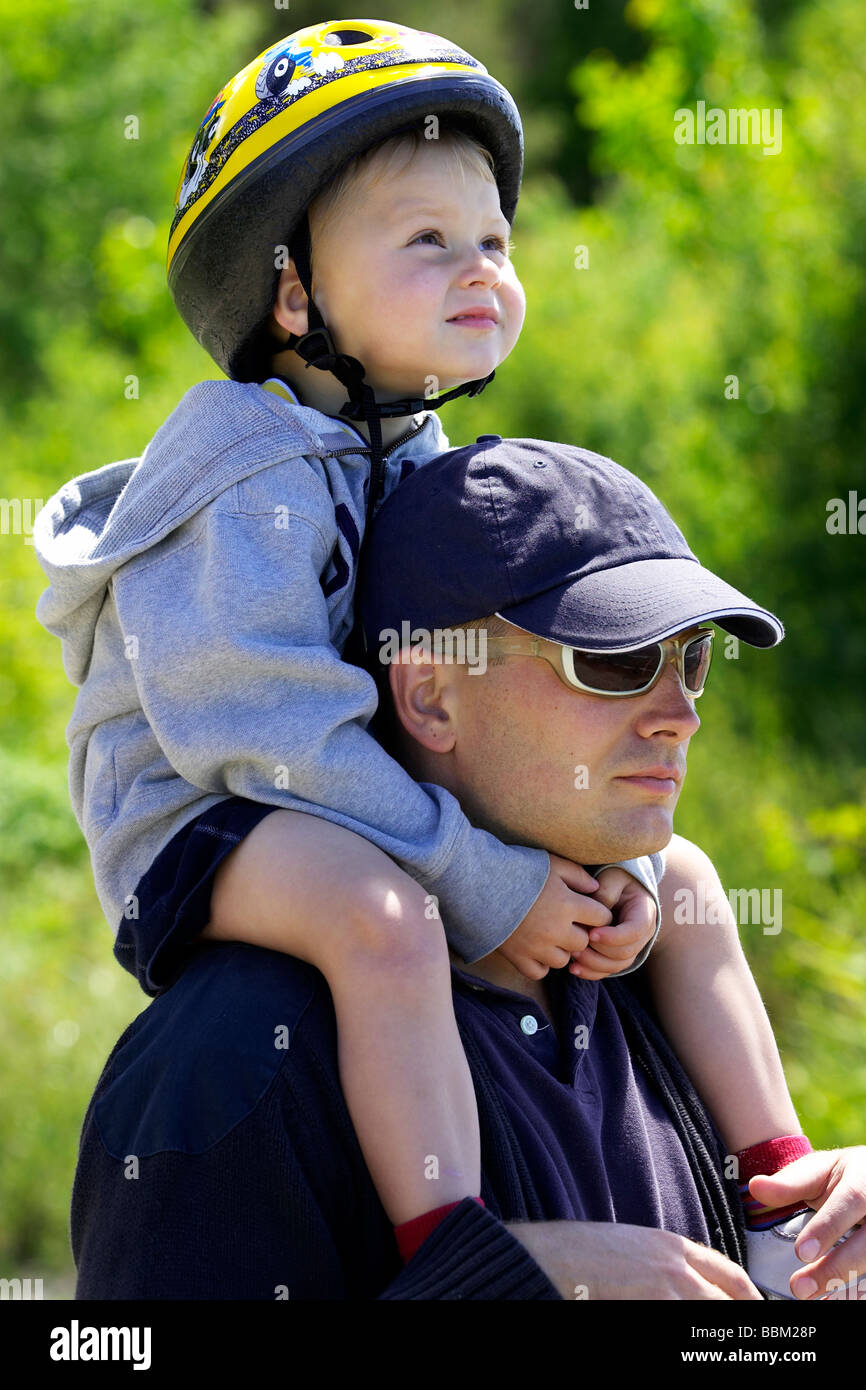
<point>613,843</point>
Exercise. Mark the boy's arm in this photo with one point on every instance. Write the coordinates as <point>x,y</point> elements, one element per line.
<point>240,683</point>
<point>710,1008</point>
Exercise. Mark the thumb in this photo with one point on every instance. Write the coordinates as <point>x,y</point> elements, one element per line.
<point>805,1178</point>
<point>572,875</point>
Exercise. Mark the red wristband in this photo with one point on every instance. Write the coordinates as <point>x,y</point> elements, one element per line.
<point>771,1155</point>
<point>412,1234</point>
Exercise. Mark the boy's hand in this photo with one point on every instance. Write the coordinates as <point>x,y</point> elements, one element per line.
<point>614,948</point>
<point>551,932</point>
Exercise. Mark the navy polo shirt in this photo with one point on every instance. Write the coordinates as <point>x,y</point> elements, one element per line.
<point>593,1135</point>
<point>218,1159</point>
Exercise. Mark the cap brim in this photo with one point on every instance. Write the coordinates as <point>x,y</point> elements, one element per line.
<point>632,605</point>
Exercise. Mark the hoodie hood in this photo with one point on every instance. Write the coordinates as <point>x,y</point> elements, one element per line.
<point>221,432</point>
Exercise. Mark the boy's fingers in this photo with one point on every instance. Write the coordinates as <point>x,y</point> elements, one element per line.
<point>590,965</point>
<point>577,941</point>
<point>586,912</point>
<point>615,951</point>
<point>638,912</point>
<point>619,934</point>
<point>556,957</point>
<point>610,886</point>
<point>573,875</point>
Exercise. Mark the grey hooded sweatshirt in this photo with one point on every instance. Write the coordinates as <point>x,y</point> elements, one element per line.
<point>203,594</point>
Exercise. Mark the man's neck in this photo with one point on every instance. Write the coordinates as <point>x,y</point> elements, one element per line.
<point>496,970</point>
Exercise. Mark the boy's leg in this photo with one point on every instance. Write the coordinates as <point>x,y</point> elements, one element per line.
<point>714,1017</point>
<point>300,884</point>
<point>710,1007</point>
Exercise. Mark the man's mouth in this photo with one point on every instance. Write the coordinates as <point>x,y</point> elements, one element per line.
<point>662,781</point>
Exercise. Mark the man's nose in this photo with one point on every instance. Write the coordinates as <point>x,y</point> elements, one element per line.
<point>667,709</point>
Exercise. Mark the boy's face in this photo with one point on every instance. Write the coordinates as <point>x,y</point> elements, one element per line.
<point>394,270</point>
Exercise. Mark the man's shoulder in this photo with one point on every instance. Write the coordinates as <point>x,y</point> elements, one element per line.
<point>200,1059</point>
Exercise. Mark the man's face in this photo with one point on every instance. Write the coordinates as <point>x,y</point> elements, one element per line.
<point>536,762</point>
<point>393,271</point>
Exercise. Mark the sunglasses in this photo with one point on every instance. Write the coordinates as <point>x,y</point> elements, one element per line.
<point>618,674</point>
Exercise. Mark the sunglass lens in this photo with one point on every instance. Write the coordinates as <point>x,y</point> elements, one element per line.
<point>617,671</point>
<point>696,662</point>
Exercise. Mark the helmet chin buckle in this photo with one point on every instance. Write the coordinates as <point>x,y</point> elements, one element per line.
<point>316,347</point>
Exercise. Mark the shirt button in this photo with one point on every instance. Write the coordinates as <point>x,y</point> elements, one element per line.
<point>529,1024</point>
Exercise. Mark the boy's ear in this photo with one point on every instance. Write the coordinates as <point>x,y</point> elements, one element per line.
<point>290,305</point>
<point>421,706</point>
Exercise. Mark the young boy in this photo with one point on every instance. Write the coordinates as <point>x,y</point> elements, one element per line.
<point>204,595</point>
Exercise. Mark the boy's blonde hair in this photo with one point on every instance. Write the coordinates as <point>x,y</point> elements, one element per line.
<point>461,152</point>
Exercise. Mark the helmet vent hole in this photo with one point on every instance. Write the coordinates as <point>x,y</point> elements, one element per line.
<point>347,37</point>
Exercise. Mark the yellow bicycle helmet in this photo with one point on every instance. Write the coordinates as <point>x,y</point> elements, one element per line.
<point>276,134</point>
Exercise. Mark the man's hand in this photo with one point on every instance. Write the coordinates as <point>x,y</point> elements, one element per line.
<point>551,932</point>
<point>614,948</point>
<point>834,1182</point>
<point>606,1260</point>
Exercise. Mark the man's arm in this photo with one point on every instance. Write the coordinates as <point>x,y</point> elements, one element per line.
<point>593,1260</point>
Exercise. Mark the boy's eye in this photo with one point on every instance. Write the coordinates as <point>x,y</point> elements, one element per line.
<point>498,242</point>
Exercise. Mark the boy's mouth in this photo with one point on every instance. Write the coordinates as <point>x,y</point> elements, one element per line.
<point>480,315</point>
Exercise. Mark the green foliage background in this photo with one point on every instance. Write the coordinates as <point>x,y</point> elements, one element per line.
<point>704,262</point>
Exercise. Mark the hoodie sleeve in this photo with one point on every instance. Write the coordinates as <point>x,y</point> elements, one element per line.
<point>246,695</point>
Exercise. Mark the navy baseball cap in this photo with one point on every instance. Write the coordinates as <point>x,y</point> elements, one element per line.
<point>557,540</point>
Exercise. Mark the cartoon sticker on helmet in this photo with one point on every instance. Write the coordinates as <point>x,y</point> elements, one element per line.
<point>289,69</point>
<point>197,161</point>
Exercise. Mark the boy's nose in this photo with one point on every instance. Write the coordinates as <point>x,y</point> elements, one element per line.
<point>480,268</point>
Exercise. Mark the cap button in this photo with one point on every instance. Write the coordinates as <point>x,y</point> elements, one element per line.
<point>489,439</point>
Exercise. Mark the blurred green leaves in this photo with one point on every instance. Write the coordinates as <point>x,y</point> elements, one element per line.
<point>704,263</point>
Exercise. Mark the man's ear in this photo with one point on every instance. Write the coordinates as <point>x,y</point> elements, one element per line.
<point>421,693</point>
<point>290,305</point>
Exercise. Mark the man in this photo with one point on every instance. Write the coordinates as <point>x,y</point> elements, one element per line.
<point>218,1160</point>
